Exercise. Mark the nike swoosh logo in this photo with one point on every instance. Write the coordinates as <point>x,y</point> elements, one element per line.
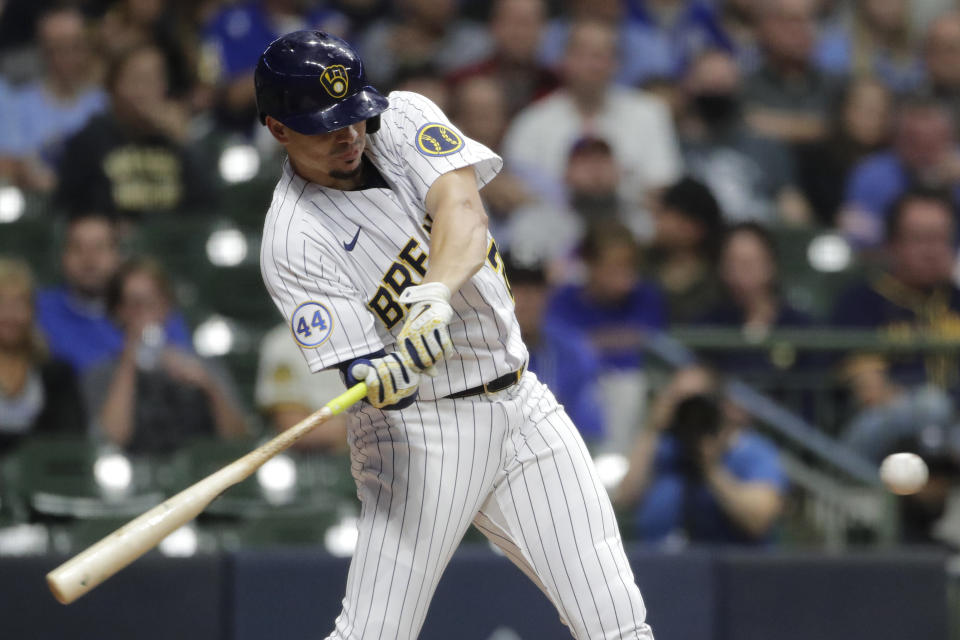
<point>350,245</point>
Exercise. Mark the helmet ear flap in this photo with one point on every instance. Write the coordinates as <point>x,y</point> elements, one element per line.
<point>373,124</point>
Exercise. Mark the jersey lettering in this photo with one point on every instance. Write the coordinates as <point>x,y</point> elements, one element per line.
<point>397,278</point>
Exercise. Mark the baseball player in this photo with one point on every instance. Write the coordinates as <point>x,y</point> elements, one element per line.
<point>376,252</point>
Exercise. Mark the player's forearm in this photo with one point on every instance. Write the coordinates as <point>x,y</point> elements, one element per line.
<point>752,506</point>
<point>458,239</point>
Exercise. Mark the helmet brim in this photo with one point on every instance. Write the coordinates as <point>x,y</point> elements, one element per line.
<point>364,104</point>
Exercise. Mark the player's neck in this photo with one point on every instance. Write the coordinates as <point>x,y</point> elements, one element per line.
<point>324,179</point>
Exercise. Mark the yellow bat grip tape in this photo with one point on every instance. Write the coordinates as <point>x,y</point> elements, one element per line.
<point>348,398</point>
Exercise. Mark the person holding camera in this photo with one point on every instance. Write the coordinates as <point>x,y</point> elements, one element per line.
<point>698,473</point>
<point>155,395</point>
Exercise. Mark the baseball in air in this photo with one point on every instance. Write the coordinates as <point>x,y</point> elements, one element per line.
<point>904,473</point>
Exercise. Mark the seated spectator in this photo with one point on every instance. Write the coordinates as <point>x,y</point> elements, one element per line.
<point>941,52</point>
<point>924,154</point>
<point>699,474</point>
<point>426,80</point>
<point>421,32</point>
<point>154,397</point>
<point>134,160</point>
<point>516,27</point>
<point>860,127</point>
<point>132,23</point>
<point>679,30</point>
<point>287,392</point>
<point>640,60</point>
<point>613,307</point>
<point>887,413</point>
<point>915,296</point>
<point>233,40</point>
<point>561,359</point>
<point>49,110</point>
<point>38,394</point>
<point>636,125</point>
<point>753,177</point>
<point>874,39</point>
<point>688,226</point>
<point>738,21</point>
<point>73,316</point>
<point>592,183</point>
<point>480,111</point>
<point>751,298</point>
<point>788,98</point>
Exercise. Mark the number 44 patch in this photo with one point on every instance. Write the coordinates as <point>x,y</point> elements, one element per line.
<point>311,324</point>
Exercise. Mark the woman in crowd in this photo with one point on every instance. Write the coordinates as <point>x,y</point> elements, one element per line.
<point>153,396</point>
<point>38,394</point>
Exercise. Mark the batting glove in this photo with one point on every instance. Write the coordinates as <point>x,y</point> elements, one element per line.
<point>391,384</point>
<point>425,339</point>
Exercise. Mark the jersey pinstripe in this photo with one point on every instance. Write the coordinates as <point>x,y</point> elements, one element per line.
<point>340,298</point>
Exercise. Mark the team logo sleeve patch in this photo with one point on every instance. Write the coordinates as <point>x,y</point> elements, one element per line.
<point>435,139</point>
<point>311,324</point>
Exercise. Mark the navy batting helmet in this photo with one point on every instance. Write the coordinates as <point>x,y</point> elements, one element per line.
<point>314,82</point>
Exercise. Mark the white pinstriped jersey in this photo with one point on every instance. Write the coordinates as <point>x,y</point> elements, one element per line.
<point>335,262</point>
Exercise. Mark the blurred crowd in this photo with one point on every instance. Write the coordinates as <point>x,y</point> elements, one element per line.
<point>655,151</point>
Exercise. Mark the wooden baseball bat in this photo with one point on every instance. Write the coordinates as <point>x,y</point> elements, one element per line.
<point>90,567</point>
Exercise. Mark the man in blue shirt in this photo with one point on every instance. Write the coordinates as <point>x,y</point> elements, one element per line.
<point>74,316</point>
<point>924,154</point>
<point>561,359</point>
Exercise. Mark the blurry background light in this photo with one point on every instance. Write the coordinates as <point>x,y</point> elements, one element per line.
<point>341,539</point>
<point>213,337</point>
<point>239,163</point>
<point>12,204</point>
<point>182,543</point>
<point>611,467</point>
<point>226,247</point>
<point>278,479</point>
<point>113,472</point>
<point>829,253</point>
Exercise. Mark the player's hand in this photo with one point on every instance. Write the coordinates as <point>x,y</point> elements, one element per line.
<point>389,380</point>
<point>425,339</point>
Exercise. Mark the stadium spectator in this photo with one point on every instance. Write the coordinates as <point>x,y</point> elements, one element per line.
<point>426,80</point>
<point>73,316</point>
<point>516,27</point>
<point>698,473</point>
<point>677,31</point>
<point>941,53</point>
<point>738,21</point>
<point>135,160</point>
<point>561,359</point>
<point>788,98</point>
<point>480,110</point>
<point>47,111</point>
<point>233,40</point>
<point>924,154</point>
<point>132,23</point>
<point>875,39</point>
<point>592,180</point>
<point>154,396</point>
<point>637,126</point>
<point>753,177</point>
<point>421,32</point>
<point>286,392</point>
<point>616,310</point>
<point>887,414</point>
<point>860,127</point>
<point>637,61</point>
<point>38,393</point>
<point>682,257</point>
<point>751,298</point>
<point>915,296</point>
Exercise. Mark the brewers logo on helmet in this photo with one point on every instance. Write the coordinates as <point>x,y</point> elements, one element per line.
<point>335,80</point>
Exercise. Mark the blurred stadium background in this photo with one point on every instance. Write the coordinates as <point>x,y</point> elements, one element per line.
<point>753,202</point>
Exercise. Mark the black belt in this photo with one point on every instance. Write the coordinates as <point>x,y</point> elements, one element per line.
<point>501,383</point>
